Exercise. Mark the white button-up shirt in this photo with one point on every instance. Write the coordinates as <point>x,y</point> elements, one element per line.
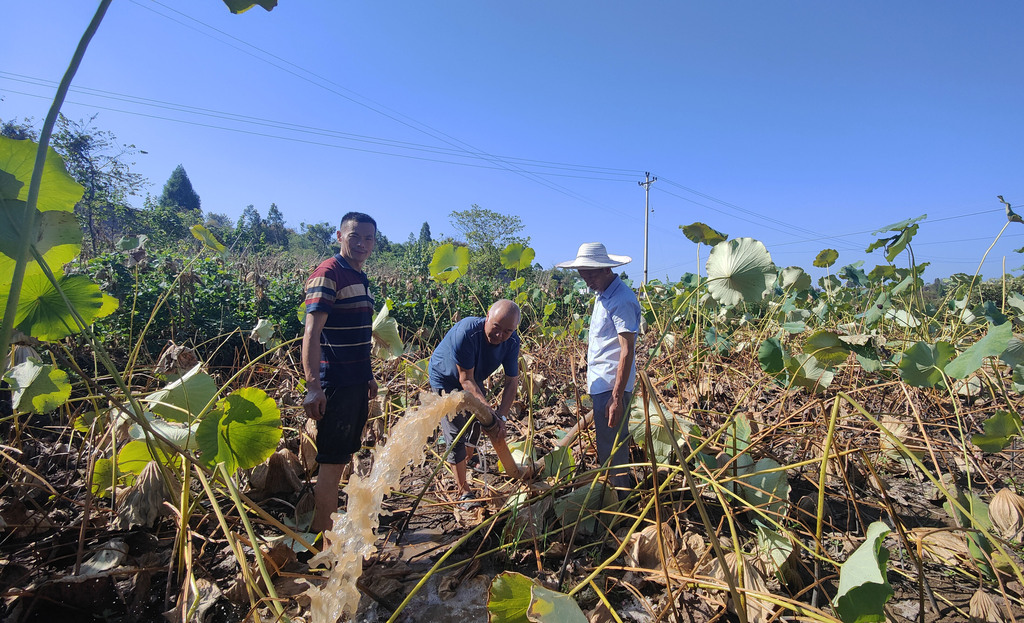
<point>616,311</point>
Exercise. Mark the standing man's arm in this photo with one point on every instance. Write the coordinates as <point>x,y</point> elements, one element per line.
<point>315,402</point>
<point>617,405</point>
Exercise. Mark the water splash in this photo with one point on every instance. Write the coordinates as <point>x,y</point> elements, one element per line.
<point>353,537</point>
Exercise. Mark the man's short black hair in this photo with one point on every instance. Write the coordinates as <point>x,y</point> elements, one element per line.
<point>358,217</point>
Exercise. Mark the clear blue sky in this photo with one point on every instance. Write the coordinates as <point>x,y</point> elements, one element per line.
<point>803,124</point>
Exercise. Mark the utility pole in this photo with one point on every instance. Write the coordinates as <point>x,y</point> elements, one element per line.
<point>647,210</point>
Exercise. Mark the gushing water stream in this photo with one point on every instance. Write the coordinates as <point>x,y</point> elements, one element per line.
<point>353,537</point>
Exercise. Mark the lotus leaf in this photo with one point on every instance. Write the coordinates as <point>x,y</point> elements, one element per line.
<point>864,588</point>
<point>739,270</point>
<point>994,343</point>
<point>517,257</point>
<point>385,331</point>
<point>548,606</point>
<point>183,399</point>
<point>999,431</point>
<point>922,364</point>
<point>449,263</point>
<point>900,226</point>
<point>583,504</point>
<point>43,314</point>
<point>208,239</point>
<point>827,347</point>
<point>241,6</point>
<point>826,258</point>
<point>508,598</point>
<point>37,387</point>
<point>700,233</point>
<point>242,432</point>
<point>57,238</point>
<point>57,191</point>
<point>794,278</point>
<point>772,356</point>
<point>1013,355</point>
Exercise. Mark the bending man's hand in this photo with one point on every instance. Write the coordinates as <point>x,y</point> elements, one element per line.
<point>497,431</point>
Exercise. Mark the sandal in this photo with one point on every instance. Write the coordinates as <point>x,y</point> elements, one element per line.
<point>468,501</point>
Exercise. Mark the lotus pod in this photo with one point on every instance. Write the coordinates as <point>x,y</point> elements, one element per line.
<point>1007,513</point>
<point>984,609</point>
<point>141,503</point>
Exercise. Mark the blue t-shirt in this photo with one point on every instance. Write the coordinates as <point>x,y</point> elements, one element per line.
<point>466,345</point>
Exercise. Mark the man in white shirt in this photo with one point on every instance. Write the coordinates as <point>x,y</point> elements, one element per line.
<point>611,352</point>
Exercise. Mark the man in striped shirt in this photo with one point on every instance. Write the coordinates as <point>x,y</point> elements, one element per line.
<point>336,358</point>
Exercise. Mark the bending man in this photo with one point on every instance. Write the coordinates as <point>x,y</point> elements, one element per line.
<point>471,350</point>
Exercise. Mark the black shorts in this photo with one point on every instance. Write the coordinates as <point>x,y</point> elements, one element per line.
<point>451,429</point>
<point>339,433</point>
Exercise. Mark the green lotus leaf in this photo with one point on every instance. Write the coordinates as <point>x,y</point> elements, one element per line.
<point>661,438</point>
<point>700,233</point>
<point>449,263</point>
<point>922,364</point>
<point>582,505</point>
<point>209,241</point>
<point>417,373</point>
<point>385,332</point>
<point>1016,301</point>
<point>183,399</point>
<point>135,455</point>
<point>242,432</point>
<point>558,462</point>
<point>794,278</point>
<point>517,257</point>
<point>854,275</point>
<point>900,226</point>
<point>1000,429</point>
<point>765,488</point>
<point>43,314</point>
<point>37,387</point>
<point>548,606</point>
<point>830,283</point>
<point>130,243</point>
<point>826,258</point>
<point>57,190</point>
<point>882,272</point>
<point>241,6</point>
<point>1013,355</point>
<point>739,270</point>
<point>508,598</point>
<point>515,284</point>
<point>878,309</point>
<point>102,477</point>
<point>864,587</point>
<point>827,348</point>
<point>795,327</point>
<point>776,548</point>
<point>993,344</point>
<point>183,437</point>
<point>990,311</point>
<point>896,247</point>
<point>772,356</point>
<point>903,318</point>
<point>57,237</point>
<point>807,372</point>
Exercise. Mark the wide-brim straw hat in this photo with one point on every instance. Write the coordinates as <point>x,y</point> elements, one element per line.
<point>594,255</point>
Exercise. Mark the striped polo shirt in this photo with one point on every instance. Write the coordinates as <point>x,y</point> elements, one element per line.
<point>344,293</point>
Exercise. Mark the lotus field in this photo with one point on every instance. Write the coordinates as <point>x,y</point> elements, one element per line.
<point>840,448</point>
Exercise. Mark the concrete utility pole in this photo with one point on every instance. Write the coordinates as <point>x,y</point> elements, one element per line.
<point>647,210</point>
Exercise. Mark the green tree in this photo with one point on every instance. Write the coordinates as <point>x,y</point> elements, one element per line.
<point>486,233</point>
<point>220,225</point>
<point>277,233</point>
<point>318,236</point>
<point>19,131</point>
<point>99,163</point>
<point>178,192</point>
<point>250,231</point>
<point>425,233</point>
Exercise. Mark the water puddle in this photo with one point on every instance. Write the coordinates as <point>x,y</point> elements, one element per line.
<point>353,536</point>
